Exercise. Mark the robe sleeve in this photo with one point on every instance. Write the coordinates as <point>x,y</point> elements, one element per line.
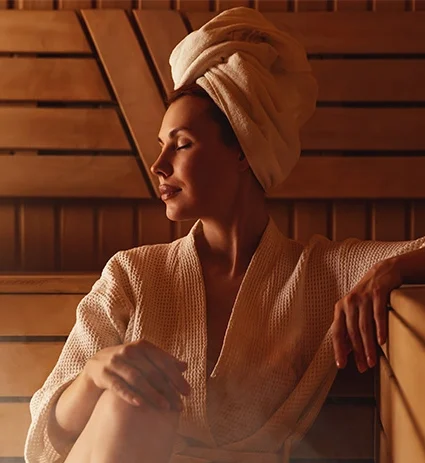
<point>101,321</point>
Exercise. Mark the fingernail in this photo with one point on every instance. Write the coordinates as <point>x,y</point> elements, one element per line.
<point>338,364</point>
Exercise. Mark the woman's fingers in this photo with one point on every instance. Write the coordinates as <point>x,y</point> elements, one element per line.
<point>366,327</point>
<point>352,321</point>
<point>339,340</point>
<point>380,314</point>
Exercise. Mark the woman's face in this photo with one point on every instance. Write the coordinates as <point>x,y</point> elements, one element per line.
<point>198,174</point>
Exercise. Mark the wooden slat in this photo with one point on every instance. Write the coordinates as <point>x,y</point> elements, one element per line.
<point>310,217</point>
<point>347,32</point>
<point>77,236</point>
<point>281,213</point>
<point>71,177</point>
<point>418,226</point>
<point>41,32</point>
<point>8,235</point>
<point>25,366</point>
<point>352,5</point>
<point>221,5</point>
<point>14,423</point>
<point>191,5</point>
<point>152,223</point>
<point>181,229</point>
<point>37,314</point>
<point>142,105</point>
<point>311,5</point>
<point>153,4</point>
<point>65,79</point>
<point>162,31</point>
<point>48,283</point>
<point>122,4</point>
<point>350,177</point>
<point>34,4</point>
<point>116,230</point>
<point>74,4</point>
<point>61,128</point>
<point>365,129</point>
<point>272,5</point>
<point>340,432</point>
<point>389,5</point>
<point>370,80</point>
<point>37,237</point>
<point>389,221</point>
<point>349,220</point>
<point>350,383</point>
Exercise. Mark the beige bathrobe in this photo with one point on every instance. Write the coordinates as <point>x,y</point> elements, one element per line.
<point>276,365</point>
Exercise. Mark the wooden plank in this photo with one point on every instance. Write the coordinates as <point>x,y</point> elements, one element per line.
<point>365,129</point>
<point>370,80</point>
<point>44,32</point>
<point>115,230</point>
<point>37,314</point>
<point>310,218</point>
<point>384,449</point>
<point>141,105</point>
<point>63,283</point>
<point>152,224</point>
<point>4,4</point>
<point>418,226</point>
<point>74,4</point>
<point>38,236</point>
<point>351,177</point>
<point>53,79</point>
<point>162,31</point>
<point>352,5</point>
<point>389,5</point>
<point>349,220</point>
<point>281,213</point>
<point>339,432</point>
<point>153,4</point>
<point>346,31</point>
<point>181,229</point>
<point>77,237</point>
<point>272,5</point>
<point>25,366</point>
<point>8,236</point>
<point>192,5</point>
<point>14,423</point>
<point>405,438</point>
<point>312,5</point>
<point>34,4</point>
<point>221,5</point>
<point>121,4</point>
<point>71,177</point>
<point>389,221</point>
<point>61,128</point>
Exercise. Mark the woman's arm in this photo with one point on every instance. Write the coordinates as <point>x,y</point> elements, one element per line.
<point>410,266</point>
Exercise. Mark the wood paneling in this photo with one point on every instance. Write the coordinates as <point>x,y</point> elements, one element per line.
<point>388,221</point>
<point>312,5</point>
<point>350,383</point>
<point>281,213</point>
<point>349,220</point>
<point>14,422</point>
<point>221,5</point>
<point>418,225</point>
<point>370,80</point>
<point>74,4</point>
<point>120,4</point>
<point>154,4</point>
<point>37,314</point>
<point>152,25</point>
<point>52,79</point>
<point>152,223</point>
<point>34,4</point>
<point>47,284</point>
<point>193,5</point>
<point>352,5</point>
<point>272,5</point>
<point>8,235</point>
<point>72,177</point>
<point>141,105</point>
<point>310,217</point>
<point>45,32</point>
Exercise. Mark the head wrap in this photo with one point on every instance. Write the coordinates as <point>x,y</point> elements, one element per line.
<point>259,76</point>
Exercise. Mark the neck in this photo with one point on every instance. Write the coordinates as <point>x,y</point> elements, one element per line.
<point>226,245</point>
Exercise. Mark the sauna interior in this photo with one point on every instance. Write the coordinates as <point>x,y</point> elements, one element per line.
<point>82,95</point>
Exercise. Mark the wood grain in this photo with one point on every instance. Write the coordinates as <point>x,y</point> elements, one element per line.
<point>388,221</point>
<point>71,177</point>
<point>57,283</point>
<point>192,5</point>
<point>418,228</point>
<point>45,32</point>
<point>34,4</point>
<point>272,5</point>
<point>310,218</point>
<point>349,220</point>
<point>152,223</point>
<point>52,79</point>
<point>141,105</point>
<point>221,5</point>
<point>8,234</point>
<point>281,213</point>
<point>14,423</point>
<point>74,4</point>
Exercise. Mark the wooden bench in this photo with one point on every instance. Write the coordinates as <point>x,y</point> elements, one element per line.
<point>36,315</point>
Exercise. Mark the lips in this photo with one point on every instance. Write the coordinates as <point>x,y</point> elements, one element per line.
<point>168,191</point>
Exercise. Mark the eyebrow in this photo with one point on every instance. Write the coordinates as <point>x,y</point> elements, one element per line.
<point>174,132</point>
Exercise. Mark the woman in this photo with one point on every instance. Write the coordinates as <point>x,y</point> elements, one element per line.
<point>220,346</point>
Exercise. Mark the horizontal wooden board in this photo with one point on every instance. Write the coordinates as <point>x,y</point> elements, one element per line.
<point>61,128</point>
<point>339,432</point>
<point>14,423</point>
<point>25,366</point>
<point>72,177</point>
<point>351,177</point>
<point>347,32</point>
<point>365,129</point>
<point>41,32</point>
<point>409,304</point>
<point>400,421</point>
<point>37,314</point>
<point>52,79</point>
<point>370,80</point>
<point>47,284</point>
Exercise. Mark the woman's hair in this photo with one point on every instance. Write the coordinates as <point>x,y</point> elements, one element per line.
<point>228,135</point>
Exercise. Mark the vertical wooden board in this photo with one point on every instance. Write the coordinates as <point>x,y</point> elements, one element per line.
<point>419,5</point>
<point>121,4</point>
<point>34,4</point>
<point>352,5</point>
<point>388,221</point>
<point>193,5</point>
<point>74,4</point>
<point>221,5</point>
<point>116,229</point>
<point>153,4</point>
<point>272,5</point>
<point>281,212</point>
<point>310,217</point>
<point>418,222</point>
<point>77,237</point>
<point>15,419</point>
<point>182,228</point>
<point>38,236</point>
<point>4,4</point>
<point>313,5</point>
<point>390,5</point>
<point>349,220</point>
<point>152,224</point>
<point>8,236</point>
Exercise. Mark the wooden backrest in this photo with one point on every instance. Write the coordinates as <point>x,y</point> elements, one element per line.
<point>401,396</point>
<point>36,315</point>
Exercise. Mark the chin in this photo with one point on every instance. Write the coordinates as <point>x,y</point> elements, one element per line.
<point>177,214</point>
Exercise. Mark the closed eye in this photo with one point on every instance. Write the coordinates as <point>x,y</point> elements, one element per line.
<point>183,147</point>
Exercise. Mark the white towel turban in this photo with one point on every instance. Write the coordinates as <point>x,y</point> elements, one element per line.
<point>260,78</point>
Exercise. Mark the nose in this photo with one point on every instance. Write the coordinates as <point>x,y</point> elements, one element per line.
<point>162,166</point>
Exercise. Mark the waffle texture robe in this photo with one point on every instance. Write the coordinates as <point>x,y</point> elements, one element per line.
<point>276,364</point>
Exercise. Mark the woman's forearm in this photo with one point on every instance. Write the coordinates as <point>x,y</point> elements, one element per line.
<point>411,267</point>
<point>73,410</point>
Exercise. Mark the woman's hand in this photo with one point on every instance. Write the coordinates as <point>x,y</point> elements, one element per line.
<point>361,316</point>
<point>139,373</point>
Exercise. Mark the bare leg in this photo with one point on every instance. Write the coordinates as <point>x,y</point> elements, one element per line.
<point>120,433</point>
